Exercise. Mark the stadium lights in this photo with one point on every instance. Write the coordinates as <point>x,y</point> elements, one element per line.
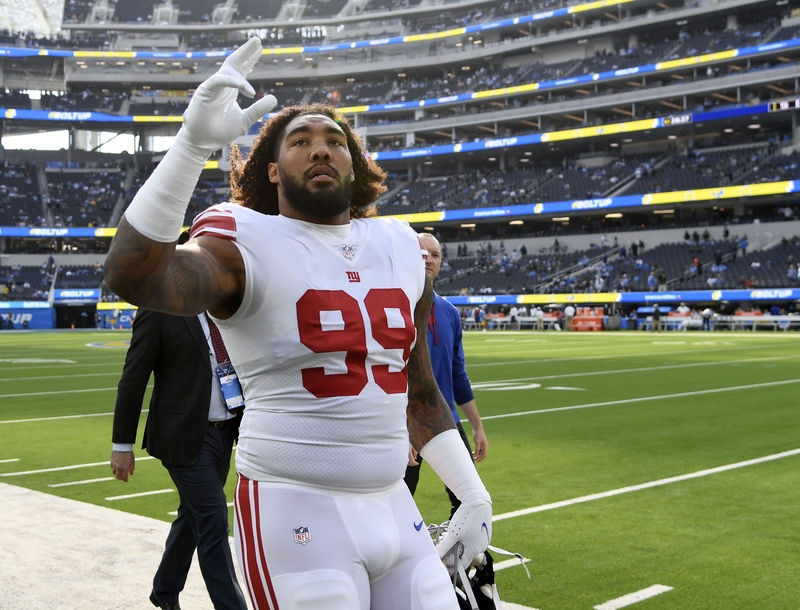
<point>672,137</point>
<point>614,215</point>
<point>466,68</point>
<point>754,126</point>
<point>429,228</point>
<point>614,145</point>
<point>663,211</point>
<point>524,160</point>
<point>330,57</point>
<point>351,80</point>
<point>401,75</point>
<point>492,158</point>
<point>728,130</point>
<point>561,219</point>
<point>528,153</point>
<point>469,225</point>
<point>517,222</point>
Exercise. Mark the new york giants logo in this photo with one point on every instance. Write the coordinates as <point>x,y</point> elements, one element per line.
<point>352,276</point>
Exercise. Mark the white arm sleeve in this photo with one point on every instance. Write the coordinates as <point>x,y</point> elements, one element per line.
<point>470,530</point>
<point>158,209</point>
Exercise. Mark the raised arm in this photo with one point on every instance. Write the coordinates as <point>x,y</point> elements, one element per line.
<point>143,265</point>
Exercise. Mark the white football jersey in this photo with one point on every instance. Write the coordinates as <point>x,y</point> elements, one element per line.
<point>320,343</point>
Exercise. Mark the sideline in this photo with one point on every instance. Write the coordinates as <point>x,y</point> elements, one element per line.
<point>99,557</point>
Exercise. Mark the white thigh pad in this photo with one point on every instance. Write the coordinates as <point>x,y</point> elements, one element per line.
<point>316,590</point>
<point>432,588</point>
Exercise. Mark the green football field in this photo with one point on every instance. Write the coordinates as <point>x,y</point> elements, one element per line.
<point>617,461</point>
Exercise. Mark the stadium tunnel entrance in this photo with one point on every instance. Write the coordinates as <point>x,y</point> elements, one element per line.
<point>76,316</point>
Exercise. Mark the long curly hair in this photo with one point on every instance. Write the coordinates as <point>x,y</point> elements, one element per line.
<point>250,184</point>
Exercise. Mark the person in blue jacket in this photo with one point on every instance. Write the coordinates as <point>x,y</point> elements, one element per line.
<point>449,369</point>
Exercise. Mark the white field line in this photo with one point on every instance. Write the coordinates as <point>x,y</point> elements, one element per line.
<point>85,482</point>
<point>82,364</point>
<point>9,460</point>
<point>657,483</point>
<point>626,401</point>
<point>140,495</point>
<point>508,563</point>
<point>60,376</point>
<point>73,467</point>
<point>38,419</point>
<point>644,369</point>
<point>473,352</point>
<point>510,606</point>
<point>57,417</point>
<point>633,598</point>
<point>59,392</point>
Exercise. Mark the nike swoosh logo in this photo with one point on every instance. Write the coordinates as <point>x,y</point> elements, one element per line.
<point>483,527</point>
<point>418,526</point>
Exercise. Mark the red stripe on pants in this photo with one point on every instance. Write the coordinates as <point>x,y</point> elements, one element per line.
<point>255,569</point>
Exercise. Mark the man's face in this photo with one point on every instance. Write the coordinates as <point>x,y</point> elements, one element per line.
<point>434,261</point>
<point>314,171</point>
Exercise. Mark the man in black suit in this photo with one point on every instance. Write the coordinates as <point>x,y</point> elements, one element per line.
<point>192,432</point>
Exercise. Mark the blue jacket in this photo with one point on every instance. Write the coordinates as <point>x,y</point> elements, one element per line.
<point>447,353</point>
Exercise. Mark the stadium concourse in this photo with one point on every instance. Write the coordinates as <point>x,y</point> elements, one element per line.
<point>86,557</point>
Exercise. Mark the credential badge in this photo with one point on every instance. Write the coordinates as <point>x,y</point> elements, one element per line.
<point>302,535</point>
<point>349,252</point>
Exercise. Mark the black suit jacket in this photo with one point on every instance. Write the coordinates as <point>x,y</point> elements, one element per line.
<point>174,349</point>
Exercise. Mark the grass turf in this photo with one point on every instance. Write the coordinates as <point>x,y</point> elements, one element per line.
<point>567,415</point>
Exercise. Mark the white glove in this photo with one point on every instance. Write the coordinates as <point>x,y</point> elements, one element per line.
<point>468,535</point>
<point>212,120</point>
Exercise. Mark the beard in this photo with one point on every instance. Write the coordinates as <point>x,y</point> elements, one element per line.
<point>321,203</point>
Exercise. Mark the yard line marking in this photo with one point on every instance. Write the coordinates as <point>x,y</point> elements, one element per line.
<point>9,460</point>
<point>59,376</point>
<point>626,401</point>
<point>140,495</point>
<point>657,483</point>
<point>37,419</point>
<point>510,606</point>
<point>59,392</point>
<point>57,417</point>
<point>633,598</point>
<point>85,482</point>
<point>508,563</point>
<point>600,357</point>
<point>652,368</point>
<point>83,364</point>
<point>37,360</point>
<point>73,467</point>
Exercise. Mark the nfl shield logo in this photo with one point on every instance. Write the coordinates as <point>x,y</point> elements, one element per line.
<point>302,535</point>
<point>349,252</point>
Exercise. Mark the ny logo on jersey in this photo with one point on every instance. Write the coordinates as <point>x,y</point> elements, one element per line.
<point>352,276</point>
